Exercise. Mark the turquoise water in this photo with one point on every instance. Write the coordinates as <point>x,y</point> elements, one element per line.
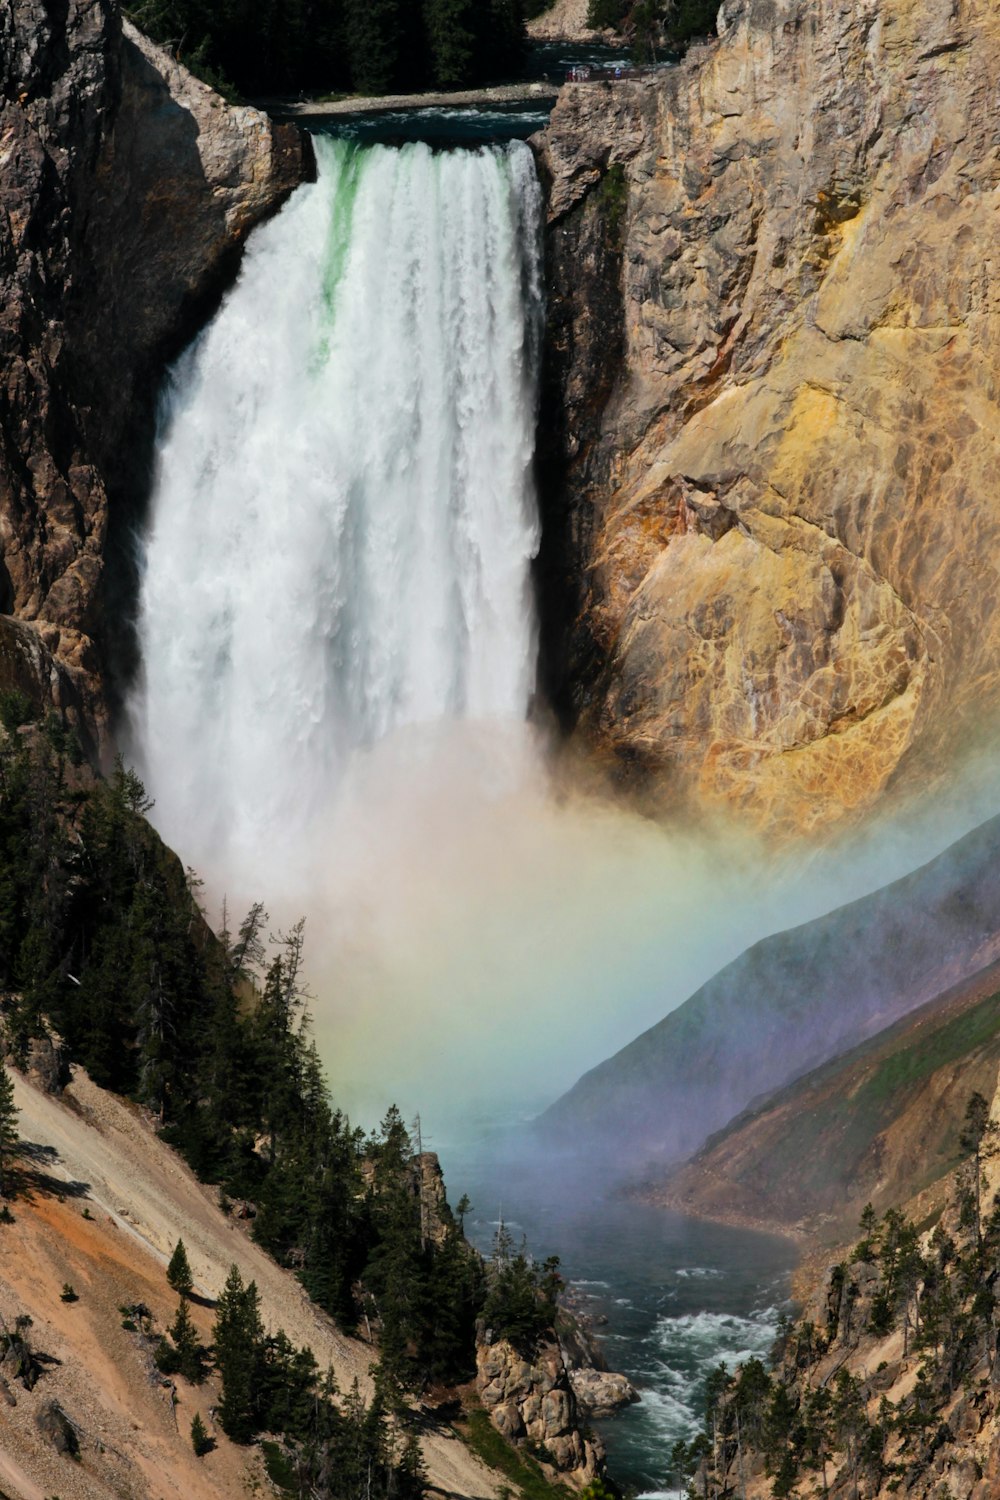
<point>670,1296</point>
<point>438,127</point>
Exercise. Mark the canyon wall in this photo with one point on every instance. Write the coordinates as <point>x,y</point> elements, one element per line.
<point>880,1124</point>
<point>126,190</point>
<point>769,435</point>
<point>784,1007</point>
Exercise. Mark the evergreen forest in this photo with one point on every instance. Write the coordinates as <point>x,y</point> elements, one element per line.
<point>103,941</point>
<point>821,1420</point>
<point>259,47</point>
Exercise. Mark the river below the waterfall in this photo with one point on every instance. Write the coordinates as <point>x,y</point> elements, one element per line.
<point>667,1296</point>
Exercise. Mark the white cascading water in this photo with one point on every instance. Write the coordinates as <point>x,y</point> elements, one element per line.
<point>344,518</point>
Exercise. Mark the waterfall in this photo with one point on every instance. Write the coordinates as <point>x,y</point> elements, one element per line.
<point>343,516</point>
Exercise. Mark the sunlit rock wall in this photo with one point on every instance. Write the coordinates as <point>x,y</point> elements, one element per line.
<point>774,522</point>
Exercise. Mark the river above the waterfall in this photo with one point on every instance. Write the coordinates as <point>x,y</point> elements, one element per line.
<point>667,1296</point>
<point>511,110</point>
<point>439,126</point>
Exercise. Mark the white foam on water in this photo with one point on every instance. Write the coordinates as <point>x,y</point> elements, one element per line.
<point>677,1357</point>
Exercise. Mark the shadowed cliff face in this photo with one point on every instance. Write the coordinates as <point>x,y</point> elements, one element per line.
<point>773,542</point>
<point>126,190</point>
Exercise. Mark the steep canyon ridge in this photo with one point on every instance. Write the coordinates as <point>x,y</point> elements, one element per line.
<point>127,188</point>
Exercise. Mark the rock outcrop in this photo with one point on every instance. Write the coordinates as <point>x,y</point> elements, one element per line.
<point>565,21</point>
<point>126,190</point>
<point>600,1393</point>
<point>425,1182</point>
<point>531,1402</point>
<point>771,406</point>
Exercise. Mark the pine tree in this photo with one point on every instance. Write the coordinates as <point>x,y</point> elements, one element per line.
<point>200,1440</point>
<point>976,1128</point>
<point>452,38</point>
<point>503,41</point>
<point>519,1303</point>
<point>411,1475</point>
<point>8,1128</point>
<point>179,1271</point>
<point>239,1338</point>
<point>246,956</point>
<point>374,29</point>
<point>185,1337</point>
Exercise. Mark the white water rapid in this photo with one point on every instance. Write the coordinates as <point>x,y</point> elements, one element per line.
<point>343,517</point>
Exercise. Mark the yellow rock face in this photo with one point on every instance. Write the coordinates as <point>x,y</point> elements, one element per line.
<point>793,500</point>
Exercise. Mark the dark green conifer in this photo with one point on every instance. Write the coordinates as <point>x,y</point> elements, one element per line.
<point>190,1363</point>
<point>8,1129</point>
<point>179,1271</point>
<point>200,1440</point>
<point>374,29</point>
<point>451,32</point>
<point>238,1336</point>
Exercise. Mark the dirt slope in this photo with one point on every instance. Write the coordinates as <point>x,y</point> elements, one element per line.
<point>90,1151</point>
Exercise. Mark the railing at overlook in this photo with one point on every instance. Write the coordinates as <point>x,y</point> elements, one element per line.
<point>612,72</point>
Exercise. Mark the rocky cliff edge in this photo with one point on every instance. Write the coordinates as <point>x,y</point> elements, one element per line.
<point>126,190</point>
<point>532,1402</point>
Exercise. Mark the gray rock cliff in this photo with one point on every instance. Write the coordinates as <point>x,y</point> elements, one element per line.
<point>532,1403</point>
<point>126,190</point>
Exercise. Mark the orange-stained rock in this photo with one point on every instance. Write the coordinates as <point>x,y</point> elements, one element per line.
<point>775,524</point>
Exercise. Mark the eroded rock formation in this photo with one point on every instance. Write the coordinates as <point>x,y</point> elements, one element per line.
<point>126,189</point>
<point>600,1393</point>
<point>532,1402</point>
<point>772,405</point>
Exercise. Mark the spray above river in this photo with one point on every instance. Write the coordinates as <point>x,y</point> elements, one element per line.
<point>338,643</point>
<point>344,518</point>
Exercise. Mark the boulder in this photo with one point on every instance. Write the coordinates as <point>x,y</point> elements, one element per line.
<point>600,1393</point>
